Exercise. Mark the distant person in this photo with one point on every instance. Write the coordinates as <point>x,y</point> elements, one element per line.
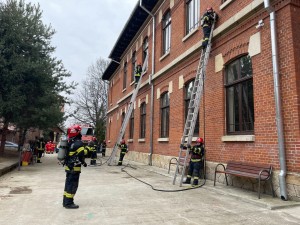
<point>124,149</point>
<point>103,146</point>
<point>40,147</point>
<point>93,148</point>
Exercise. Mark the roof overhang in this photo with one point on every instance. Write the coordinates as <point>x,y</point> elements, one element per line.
<point>131,28</point>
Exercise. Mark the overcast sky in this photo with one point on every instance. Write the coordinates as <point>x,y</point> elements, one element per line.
<point>85,29</point>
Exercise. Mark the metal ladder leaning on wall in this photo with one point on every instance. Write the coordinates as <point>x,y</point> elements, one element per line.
<point>128,114</point>
<point>193,110</point>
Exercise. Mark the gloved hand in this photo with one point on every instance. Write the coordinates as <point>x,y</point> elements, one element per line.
<point>84,164</point>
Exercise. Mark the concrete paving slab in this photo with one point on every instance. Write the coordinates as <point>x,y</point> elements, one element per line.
<point>108,195</point>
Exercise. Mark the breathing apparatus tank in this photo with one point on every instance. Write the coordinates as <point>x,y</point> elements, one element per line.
<point>62,150</point>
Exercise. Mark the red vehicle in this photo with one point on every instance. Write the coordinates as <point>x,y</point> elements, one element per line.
<point>87,133</point>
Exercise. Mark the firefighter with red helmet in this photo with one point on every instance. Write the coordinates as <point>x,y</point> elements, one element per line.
<point>75,157</point>
<point>196,162</point>
<point>93,150</point>
<point>206,22</point>
<point>124,149</point>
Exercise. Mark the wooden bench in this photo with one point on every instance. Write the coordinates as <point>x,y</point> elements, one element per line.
<point>259,172</point>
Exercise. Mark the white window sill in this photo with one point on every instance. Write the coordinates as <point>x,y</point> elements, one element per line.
<point>238,138</point>
<point>130,140</point>
<point>108,141</point>
<point>225,4</point>
<point>190,34</point>
<point>132,83</point>
<point>124,90</point>
<point>193,139</point>
<point>163,139</point>
<point>164,56</point>
<point>141,140</point>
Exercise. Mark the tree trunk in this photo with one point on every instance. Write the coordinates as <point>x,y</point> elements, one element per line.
<point>3,137</point>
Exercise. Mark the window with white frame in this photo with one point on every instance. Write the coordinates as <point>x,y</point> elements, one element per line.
<point>166,27</point>
<point>187,98</point>
<point>192,14</point>
<point>131,126</point>
<point>125,75</point>
<point>133,62</point>
<point>164,115</point>
<point>143,121</point>
<point>239,96</point>
<point>145,51</point>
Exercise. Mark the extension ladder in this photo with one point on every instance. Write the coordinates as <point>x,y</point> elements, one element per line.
<point>193,110</point>
<point>128,114</point>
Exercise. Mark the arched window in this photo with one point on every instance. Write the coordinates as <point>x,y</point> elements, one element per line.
<point>239,96</point>
<point>188,87</point>
<point>164,115</point>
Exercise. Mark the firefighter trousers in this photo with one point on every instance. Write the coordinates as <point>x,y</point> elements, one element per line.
<point>194,169</point>
<point>122,154</point>
<point>71,186</point>
<point>206,33</point>
<point>39,154</point>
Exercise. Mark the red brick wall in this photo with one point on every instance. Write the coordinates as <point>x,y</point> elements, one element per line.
<point>231,44</point>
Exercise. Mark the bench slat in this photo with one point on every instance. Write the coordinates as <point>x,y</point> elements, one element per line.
<point>244,169</point>
<point>245,174</point>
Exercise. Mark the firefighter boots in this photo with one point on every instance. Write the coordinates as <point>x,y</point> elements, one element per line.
<point>71,206</point>
<point>187,181</point>
<point>195,182</point>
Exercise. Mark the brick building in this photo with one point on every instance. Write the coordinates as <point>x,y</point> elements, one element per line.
<point>239,106</point>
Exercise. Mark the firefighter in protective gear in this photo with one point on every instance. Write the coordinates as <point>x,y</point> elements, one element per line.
<point>206,22</point>
<point>75,157</point>
<point>138,73</point>
<point>103,147</point>
<point>196,163</point>
<point>93,151</point>
<point>124,149</point>
<point>40,147</point>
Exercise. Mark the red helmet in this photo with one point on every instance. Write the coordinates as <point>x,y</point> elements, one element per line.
<point>209,9</point>
<point>200,140</point>
<point>123,141</point>
<point>94,139</point>
<point>73,131</point>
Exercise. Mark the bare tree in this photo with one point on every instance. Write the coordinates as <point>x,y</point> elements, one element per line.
<point>90,102</point>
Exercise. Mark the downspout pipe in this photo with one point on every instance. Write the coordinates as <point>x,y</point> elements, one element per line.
<point>150,83</point>
<point>279,120</point>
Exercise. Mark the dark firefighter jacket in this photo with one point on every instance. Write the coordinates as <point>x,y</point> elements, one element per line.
<point>207,19</point>
<point>123,148</point>
<point>197,153</point>
<point>75,156</point>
